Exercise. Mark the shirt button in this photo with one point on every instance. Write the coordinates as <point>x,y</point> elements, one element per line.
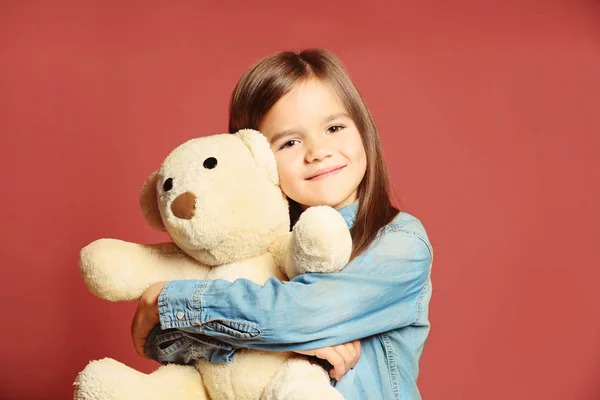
<point>180,315</point>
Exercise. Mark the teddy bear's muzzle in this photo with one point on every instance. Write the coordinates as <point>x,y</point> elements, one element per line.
<point>184,205</point>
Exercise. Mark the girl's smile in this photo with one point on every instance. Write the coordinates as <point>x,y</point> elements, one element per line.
<point>324,173</point>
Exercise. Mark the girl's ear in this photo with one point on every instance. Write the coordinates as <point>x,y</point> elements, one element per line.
<point>261,151</point>
<point>149,203</point>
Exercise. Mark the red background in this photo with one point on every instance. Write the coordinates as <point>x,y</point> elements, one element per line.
<point>490,117</point>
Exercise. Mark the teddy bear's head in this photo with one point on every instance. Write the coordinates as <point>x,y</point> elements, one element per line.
<point>218,197</point>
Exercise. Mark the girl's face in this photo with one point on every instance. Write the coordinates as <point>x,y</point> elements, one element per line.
<point>320,155</point>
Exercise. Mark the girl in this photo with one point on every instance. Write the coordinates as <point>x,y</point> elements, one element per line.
<point>328,152</point>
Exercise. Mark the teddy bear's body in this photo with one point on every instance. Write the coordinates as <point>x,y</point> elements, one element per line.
<point>251,371</point>
<point>219,200</point>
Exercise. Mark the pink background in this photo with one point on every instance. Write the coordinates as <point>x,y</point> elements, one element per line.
<point>490,117</point>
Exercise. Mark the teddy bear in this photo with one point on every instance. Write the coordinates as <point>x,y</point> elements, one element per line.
<point>218,198</point>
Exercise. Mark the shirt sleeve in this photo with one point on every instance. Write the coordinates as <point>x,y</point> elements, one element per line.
<point>382,291</point>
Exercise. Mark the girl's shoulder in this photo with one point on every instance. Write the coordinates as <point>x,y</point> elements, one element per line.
<point>405,229</point>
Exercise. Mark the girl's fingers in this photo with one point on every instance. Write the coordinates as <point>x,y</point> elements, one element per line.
<point>346,355</point>
<point>356,346</point>
<point>342,357</point>
<point>349,347</point>
<point>335,359</point>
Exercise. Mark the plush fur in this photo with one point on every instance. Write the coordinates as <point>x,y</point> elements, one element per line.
<point>218,198</point>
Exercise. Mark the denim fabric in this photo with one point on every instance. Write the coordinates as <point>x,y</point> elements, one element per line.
<point>382,297</point>
<point>179,347</point>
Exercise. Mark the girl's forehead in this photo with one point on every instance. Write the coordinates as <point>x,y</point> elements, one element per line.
<point>312,97</point>
<point>313,87</point>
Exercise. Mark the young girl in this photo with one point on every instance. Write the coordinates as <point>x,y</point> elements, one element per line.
<point>328,152</point>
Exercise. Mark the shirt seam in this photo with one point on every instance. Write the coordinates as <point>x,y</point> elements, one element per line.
<point>392,367</point>
<point>394,227</point>
<point>420,307</point>
<point>198,317</point>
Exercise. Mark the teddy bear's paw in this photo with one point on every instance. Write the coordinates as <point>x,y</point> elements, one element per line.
<point>304,389</point>
<point>108,379</point>
<point>322,241</point>
<point>298,379</point>
<point>310,390</point>
<point>102,380</point>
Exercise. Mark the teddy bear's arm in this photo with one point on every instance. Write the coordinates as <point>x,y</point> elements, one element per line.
<point>319,242</point>
<point>117,270</point>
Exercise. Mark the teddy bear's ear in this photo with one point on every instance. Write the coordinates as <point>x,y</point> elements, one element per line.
<point>149,204</point>
<point>261,151</point>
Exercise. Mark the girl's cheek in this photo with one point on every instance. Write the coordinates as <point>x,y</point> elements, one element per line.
<point>285,179</point>
<point>284,165</point>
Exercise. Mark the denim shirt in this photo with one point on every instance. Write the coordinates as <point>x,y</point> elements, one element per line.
<point>381,297</point>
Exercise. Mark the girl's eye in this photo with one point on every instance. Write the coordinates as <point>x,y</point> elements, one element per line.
<point>335,128</point>
<point>289,143</point>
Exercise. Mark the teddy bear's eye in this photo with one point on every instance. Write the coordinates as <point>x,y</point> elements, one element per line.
<point>168,185</point>
<point>210,163</point>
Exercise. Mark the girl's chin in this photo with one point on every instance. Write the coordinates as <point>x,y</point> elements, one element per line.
<point>324,202</point>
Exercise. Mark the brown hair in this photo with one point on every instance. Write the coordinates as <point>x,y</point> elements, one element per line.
<point>271,78</point>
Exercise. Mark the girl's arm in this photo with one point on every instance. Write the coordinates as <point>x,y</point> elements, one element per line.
<point>382,291</point>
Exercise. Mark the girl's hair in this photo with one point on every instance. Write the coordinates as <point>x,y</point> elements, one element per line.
<point>271,78</point>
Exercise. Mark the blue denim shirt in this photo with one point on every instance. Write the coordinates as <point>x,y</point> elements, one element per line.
<point>381,297</point>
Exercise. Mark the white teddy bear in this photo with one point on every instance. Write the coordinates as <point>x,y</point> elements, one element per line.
<point>218,198</point>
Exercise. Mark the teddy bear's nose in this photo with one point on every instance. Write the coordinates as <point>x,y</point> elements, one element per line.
<point>184,205</point>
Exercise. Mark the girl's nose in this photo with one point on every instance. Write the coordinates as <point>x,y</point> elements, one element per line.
<point>317,151</point>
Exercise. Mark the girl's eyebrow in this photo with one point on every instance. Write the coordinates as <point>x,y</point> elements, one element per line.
<point>336,116</point>
<point>282,134</point>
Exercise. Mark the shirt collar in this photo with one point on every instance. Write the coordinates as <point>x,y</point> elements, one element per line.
<point>349,213</point>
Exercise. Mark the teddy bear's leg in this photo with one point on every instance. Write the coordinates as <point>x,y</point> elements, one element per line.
<point>298,379</point>
<point>108,379</point>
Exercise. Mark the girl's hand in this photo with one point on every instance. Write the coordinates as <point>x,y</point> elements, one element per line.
<point>343,357</point>
<point>146,317</point>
